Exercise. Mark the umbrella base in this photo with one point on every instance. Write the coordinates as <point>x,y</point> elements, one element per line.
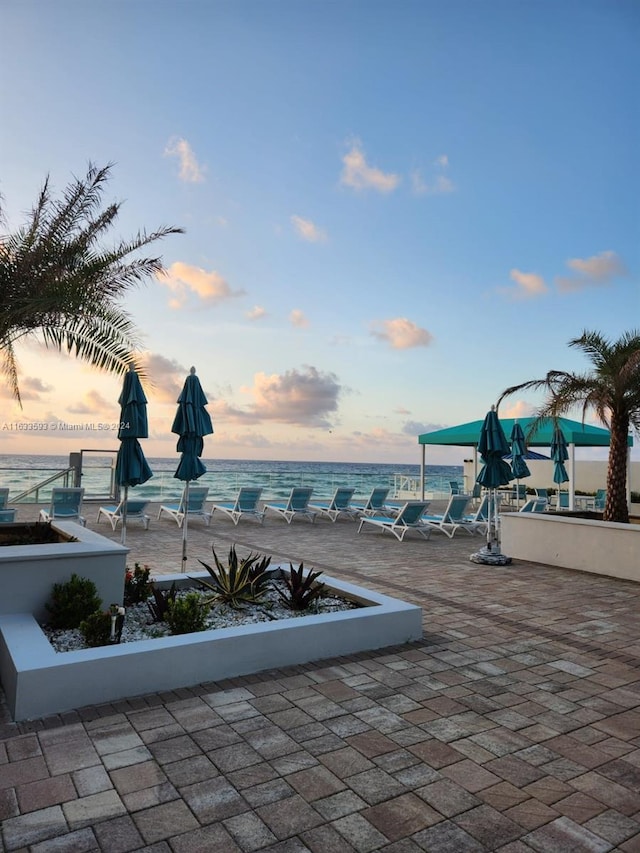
<point>489,557</point>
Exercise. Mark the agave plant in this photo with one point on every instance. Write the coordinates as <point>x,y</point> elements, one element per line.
<point>302,590</point>
<point>242,581</point>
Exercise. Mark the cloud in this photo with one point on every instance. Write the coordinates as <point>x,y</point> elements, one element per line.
<point>401,333</point>
<point>256,313</point>
<point>439,184</point>
<point>360,176</point>
<point>517,409</point>
<point>297,319</point>
<point>93,403</point>
<point>190,170</point>
<point>297,397</point>
<point>166,377</point>
<point>31,388</point>
<point>420,427</point>
<point>528,285</point>
<point>596,271</point>
<point>308,230</point>
<point>303,397</point>
<point>209,287</point>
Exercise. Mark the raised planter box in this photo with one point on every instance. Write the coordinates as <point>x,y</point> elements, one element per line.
<point>600,547</point>
<point>28,572</point>
<point>39,681</point>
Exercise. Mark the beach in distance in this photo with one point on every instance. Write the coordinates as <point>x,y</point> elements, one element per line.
<point>224,477</point>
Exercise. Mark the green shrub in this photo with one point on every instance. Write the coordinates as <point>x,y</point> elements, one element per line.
<point>187,614</point>
<point>137,586</point>
<point>97,628</point>
<point>71,602</point>
<point>301,591</point>
<point>240,581</point>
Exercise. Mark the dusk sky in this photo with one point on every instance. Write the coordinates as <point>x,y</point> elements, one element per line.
<point>393,209</point>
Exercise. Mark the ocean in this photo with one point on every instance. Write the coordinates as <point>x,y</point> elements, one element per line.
<point>21,473</point>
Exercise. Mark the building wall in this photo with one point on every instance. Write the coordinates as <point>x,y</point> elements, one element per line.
<point>589,476</point>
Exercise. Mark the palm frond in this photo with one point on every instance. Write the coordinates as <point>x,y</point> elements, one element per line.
<point>58,278</point>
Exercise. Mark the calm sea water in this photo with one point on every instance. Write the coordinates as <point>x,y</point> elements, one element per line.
<point>223,477</point>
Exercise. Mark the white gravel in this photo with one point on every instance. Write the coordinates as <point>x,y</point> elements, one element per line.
<point>139,624</point>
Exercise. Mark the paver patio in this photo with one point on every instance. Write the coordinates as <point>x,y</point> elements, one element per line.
<point>513,725</point>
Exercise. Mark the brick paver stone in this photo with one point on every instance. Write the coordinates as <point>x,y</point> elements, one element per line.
<point>401,816</point>
<point>164,821</point>
<point>565,836</point>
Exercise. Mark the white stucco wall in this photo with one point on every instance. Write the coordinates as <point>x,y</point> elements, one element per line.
<point>589,475</point>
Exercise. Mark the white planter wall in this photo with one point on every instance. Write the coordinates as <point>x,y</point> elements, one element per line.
<point>601,547</point>
<point>39,681</point>
<point>28,572</point>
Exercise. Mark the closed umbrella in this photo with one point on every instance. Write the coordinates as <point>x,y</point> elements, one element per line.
<point>131,466</point>
<point>191,423</point>
<point>495,472</point>
<point>518,465</point>
<point>559,454</point>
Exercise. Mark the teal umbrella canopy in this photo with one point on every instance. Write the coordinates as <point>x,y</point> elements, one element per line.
<point>493,446</point>
<point>191,423</point>
<point>495,472</point>
<point>559,454</point>
<point>131,466</point>
<point>518,451</point>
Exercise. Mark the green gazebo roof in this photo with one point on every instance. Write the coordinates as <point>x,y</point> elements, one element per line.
<point>575,432</point>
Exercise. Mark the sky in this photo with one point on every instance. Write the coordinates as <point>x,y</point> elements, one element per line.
<point>393,209</point>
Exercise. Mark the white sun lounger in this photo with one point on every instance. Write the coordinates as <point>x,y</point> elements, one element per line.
<point>244,506</point>
<point>409,518</point>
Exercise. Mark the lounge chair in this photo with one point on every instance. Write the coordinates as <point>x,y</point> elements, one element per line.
<point>454,487</point>
<point>454,518</point>
<point>135,509</point>
<point>409,518</point>
<point>340,504</point>
<point>244,506</point>
<point>195,508</point>
<point>7,516</point>
<point>65,504</point>
<point>542,493</point>
<point>375,503</point>
<point>296,507</point>
<point>600,500</point>
<point>480,518</point>
<point>534,505</point>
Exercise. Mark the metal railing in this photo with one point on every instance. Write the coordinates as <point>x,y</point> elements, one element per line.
<point>98,481</point>
<point>64,478</point>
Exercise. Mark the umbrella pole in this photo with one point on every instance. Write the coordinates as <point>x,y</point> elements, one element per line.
<point>184,528</point>
<point>491,554</point>
<point>123,534</point>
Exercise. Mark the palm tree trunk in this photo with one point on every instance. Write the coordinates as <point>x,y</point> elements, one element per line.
<point>616,507</point>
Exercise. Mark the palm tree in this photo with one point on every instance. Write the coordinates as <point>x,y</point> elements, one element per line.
<point>611,390</point>
<point>60,282</point>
